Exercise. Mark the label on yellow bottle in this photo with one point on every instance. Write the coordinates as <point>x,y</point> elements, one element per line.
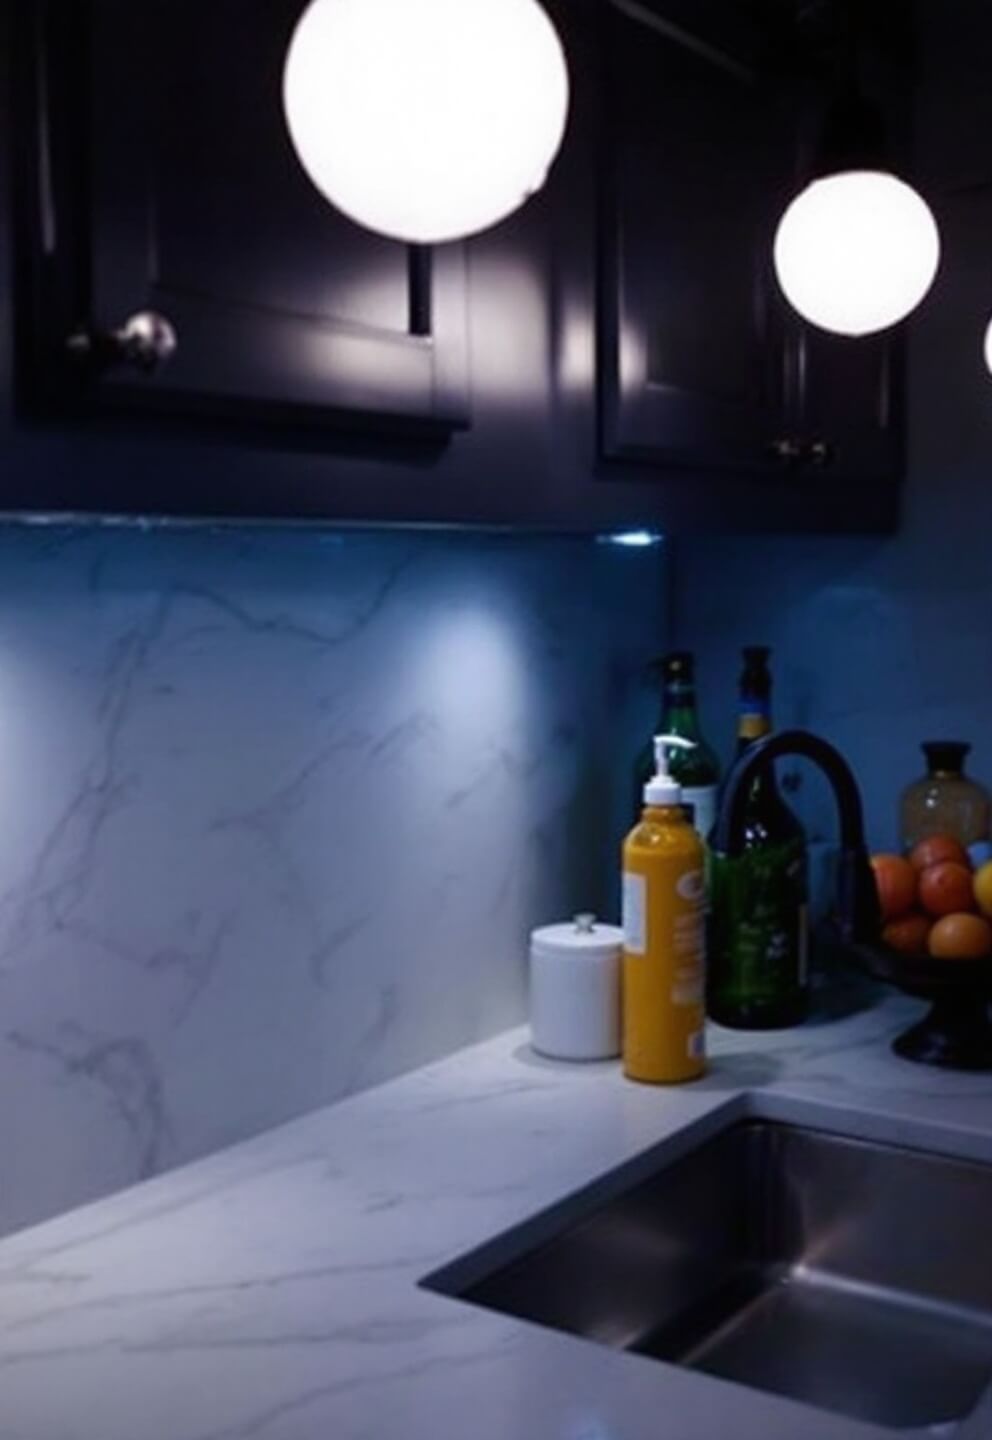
<point>692,886</point>
<point>689,989</point>
<point>635,915</point>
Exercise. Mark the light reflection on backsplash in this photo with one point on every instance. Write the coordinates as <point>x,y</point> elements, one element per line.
<point>278,810</point>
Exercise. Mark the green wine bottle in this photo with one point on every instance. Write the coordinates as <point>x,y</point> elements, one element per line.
<point>758,929</point>
<point>693,763</point>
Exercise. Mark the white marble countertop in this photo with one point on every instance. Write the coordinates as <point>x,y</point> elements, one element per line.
<point>271,1291</point>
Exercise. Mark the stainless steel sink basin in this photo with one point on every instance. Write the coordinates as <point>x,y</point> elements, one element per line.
<point>849,1275</point>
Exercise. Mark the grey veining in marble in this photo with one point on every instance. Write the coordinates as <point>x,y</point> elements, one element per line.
<point>270,1292</point>
<point>278,810</point>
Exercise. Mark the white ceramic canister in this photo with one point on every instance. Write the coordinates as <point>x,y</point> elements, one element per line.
<point>575,990</point>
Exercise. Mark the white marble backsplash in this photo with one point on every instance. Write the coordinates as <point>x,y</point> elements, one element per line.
<point>277,810</point>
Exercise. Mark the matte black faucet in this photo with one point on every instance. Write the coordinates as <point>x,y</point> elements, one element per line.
<point>857,916</point>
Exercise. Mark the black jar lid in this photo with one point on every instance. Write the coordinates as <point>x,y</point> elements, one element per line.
<point>946,756</point>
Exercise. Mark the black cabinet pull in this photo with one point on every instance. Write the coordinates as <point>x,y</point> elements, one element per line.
<point>792,451</point>
<point>787,449</point>
<point>145,341</point>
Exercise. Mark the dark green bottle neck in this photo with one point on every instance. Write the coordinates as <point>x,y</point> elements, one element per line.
<point>678,712</point>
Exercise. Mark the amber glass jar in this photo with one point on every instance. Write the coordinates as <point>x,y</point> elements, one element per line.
<point>945,801</point>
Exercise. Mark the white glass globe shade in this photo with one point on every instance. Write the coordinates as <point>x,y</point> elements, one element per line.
<point>426,120</point>
<point>856,252</point>
<point>988,347</point>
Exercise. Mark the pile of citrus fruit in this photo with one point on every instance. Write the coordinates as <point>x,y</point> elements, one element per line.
<point>934,903</point>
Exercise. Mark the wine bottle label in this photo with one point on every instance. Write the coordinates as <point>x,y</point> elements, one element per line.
<point>702,798</point>
<point>635,937</point>
<point>753,724</point>
<point>759,932</point>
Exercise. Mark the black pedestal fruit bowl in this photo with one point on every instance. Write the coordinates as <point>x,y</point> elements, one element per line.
<point>957,1032</point>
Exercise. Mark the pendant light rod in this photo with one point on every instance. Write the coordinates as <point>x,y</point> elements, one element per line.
<point>857,250</point>
<point>852,131</point>
<point>852,135</point>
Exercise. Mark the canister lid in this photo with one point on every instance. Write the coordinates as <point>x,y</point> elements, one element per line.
<point>946,756</point>
<point>582,936</point>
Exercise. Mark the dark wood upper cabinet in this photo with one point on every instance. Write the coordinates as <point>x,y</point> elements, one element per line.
<point>847,416</point>
<point>167,182</point>
<point>702,363</point>
<point>615,355</point>
<point>696,160</point>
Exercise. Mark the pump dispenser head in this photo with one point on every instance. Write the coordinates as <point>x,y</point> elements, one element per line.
<point>662,789</point>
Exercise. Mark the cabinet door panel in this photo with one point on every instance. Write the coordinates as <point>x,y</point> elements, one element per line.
<point>197,207</point>
<point>695,164</point>
<point>849,402</point>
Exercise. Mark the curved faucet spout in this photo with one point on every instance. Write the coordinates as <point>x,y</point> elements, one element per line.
<point>729,835</point>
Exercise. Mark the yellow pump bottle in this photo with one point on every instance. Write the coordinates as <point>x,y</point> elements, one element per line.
<point>664,939</point>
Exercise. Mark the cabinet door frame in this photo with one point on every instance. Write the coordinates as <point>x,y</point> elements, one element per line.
<point>634,410</point>
<point>78,180</point>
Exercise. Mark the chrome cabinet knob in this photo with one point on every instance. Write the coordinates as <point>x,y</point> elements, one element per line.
<point>146,341</point>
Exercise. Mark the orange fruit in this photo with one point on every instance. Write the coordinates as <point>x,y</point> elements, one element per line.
<point>935,849</point>
<point>983,888</point>
<point>947,888</point>
<point>908,935</point>
<point>895,880</point>
<point>961,937</point>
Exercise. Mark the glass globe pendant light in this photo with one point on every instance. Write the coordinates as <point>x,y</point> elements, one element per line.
<point>858,249</point>
<point>426,120</point>
<point>987,347</point>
